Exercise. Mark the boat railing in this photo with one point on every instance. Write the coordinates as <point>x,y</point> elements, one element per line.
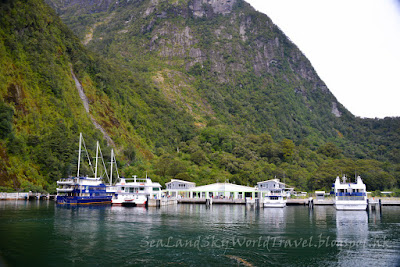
<point>66,181</point>
<point>137,180</point>
<point>350,198</point>
<point>348,194</point>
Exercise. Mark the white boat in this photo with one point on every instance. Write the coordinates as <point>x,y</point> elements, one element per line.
<point>136,192</point>
<point>350,196</point>
<point>275,198</point>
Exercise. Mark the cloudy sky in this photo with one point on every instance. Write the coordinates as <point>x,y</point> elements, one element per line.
<point>354,45</point>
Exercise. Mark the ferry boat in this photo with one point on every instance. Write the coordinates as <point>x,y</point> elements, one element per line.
<point>83,190</point>
<point>350,196</point>
<point>275,198</point>
<point>136,192</point>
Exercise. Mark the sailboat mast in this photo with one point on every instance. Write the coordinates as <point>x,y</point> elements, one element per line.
<point>79,155</point>
<point>97,157</point>
<point>112,160</point>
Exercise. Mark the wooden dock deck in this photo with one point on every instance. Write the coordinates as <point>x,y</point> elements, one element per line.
<point>214,201</point>
<point>297,201</point>
<point>390,201</point>
<point>323,202</point>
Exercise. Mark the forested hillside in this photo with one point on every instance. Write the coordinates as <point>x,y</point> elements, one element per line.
<point>196,90</point>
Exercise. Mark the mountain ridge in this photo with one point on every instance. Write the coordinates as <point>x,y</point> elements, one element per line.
<point>184,91</point>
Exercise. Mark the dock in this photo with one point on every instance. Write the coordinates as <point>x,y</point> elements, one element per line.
<point>161,202</point>
<point>298,201</point>
<point>214,201</point>
<point>323,202</point>
<point>25,196</point>
<point>390,201</point>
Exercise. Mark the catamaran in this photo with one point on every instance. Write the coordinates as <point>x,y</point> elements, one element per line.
<point>350,196</point>
<point>83,190</point>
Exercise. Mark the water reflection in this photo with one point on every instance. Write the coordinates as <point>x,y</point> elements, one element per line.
<point>353,238</point>
<point>351,226</point>
<point>123,236</point>
<point>275,218</point>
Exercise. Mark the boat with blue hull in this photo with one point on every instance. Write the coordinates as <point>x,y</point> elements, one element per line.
<point>83,190</point>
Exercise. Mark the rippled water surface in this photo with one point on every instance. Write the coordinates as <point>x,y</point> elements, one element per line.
<point>42,233</point>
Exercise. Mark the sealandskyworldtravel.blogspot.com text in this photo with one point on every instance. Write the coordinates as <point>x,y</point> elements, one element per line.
<point>268,243</point>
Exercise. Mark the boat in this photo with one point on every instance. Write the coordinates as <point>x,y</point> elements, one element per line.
<point>275,198</point>
<point>81,190</point>
<point>135,191</point>
<point>350,196</point>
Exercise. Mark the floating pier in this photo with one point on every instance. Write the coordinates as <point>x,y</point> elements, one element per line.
<point>374,204</point>
<point>211,201</point>
<point>299,201</point>
<point>25,196</point>
<point>161,202</point>
<point>390,201</point>
<point>323,202</point>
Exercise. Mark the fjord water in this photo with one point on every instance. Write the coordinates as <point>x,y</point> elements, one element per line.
<point>42,233</point>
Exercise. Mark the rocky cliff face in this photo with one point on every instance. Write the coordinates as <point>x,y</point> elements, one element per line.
<point>200,8</point>
<point>224,42</point>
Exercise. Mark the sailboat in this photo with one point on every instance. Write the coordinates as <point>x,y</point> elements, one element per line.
<point>81,190</point>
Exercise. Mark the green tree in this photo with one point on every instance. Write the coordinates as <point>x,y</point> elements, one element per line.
<point>330,150</point>
<point>6,119</point>
<point>287,148</point>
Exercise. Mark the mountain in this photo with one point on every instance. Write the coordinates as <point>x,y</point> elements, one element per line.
<point>41,112</point>
<point>198,90</point>
<point>243,70</point>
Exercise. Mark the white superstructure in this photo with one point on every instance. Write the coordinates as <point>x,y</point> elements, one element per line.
<point>350,196</point>
<point>275,198</point>
<point>273,193</point>
<point>136,192</point>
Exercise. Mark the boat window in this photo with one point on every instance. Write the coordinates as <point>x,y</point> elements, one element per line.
<point>156,189</point>
<point>141,188</point>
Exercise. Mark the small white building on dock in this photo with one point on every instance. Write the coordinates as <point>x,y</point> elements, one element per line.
<point>178,188</point>
<point>224,191</point>
<point>320,195</point>
<point>273,186</point>
<point>183,189</point>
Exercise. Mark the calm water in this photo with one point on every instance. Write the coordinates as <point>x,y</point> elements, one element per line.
<point>42,233</point>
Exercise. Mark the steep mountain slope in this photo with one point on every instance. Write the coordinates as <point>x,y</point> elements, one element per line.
<point>197,90</point>
<point>245,70</point>
<point>41,113</point>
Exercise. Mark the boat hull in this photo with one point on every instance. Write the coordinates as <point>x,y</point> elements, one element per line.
<point>343,205</point>
<point>274,205</point>
<point>83,200</point>
<point>130,200</point>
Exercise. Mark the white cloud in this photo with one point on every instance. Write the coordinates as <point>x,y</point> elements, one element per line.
<point>353,45</point>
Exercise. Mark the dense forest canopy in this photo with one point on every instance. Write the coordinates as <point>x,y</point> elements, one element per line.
<point>194,90</point>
